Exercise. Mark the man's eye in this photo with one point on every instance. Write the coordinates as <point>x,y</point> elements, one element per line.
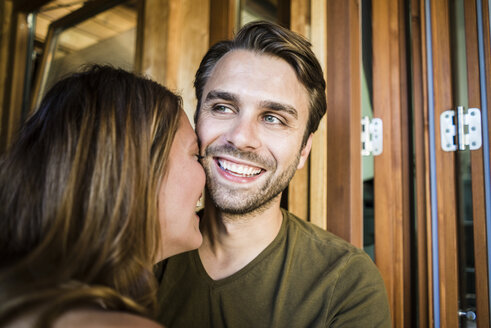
<point>222,109</point>
<point>272,119</point>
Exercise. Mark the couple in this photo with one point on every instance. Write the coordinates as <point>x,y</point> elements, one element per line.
<point>104,180</point>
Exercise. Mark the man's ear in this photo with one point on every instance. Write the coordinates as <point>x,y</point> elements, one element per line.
<point>304,154</point>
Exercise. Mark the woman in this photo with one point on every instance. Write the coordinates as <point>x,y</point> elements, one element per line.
<point>101,184</point>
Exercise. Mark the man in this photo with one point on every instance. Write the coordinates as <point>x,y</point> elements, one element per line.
<point>260,98</point>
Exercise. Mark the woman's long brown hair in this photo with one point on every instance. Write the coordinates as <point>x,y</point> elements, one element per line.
<point>78,196</point>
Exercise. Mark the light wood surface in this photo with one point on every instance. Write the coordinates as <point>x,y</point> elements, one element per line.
<point>445,167</point>
<point>172,48</point>
<point>391,168</point>
<point>318,156</point>
<point>298,189</point>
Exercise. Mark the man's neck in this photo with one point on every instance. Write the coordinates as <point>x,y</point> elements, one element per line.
<point>230,242</point>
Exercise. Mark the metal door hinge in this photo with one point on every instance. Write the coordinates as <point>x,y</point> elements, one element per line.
<point>462,131</point>
<point>371,136</point>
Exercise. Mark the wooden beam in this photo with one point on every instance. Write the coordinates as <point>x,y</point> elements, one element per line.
<point>477,174</point>
<point>318,157</point>
<point>27,6</point>
<point>223,22</point>
<point>342,205</point>
<point>6,11</point>
<point>445,167</point>
<point>391,168</point>
<point>171,47</point>
<point>421,176</point>
<point>13,52</point>
<point>298,189</point>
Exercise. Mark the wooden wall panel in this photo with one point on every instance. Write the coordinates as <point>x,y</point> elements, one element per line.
<point>343,165</point>
<point>427,204</point>
<point>6,10</point>
<point>153,44</point>
<point>318,207</point>
<point>172,48</point>
<point>478,205</point>
<point>391,168</point>
<point>405,232</point>
<point>421,176</point>
<point>445,167</point>
<point>298,189</point>
<point>27,6</point>
<point>224,20</point>
<point>14,46</point>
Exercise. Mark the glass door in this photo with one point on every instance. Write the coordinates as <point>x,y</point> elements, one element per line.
<point>102,32</point>
<point>458,160</point>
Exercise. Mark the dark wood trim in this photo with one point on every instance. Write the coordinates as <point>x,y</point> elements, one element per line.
<point>140,34</point>
<point>285,13</point>
<point>420,136</point>
<point>478,197</point>
<point>6,15</point>
<point>27,6</point>
<point>406,283</point>
<point>14,79</point>
<point>223,22</point>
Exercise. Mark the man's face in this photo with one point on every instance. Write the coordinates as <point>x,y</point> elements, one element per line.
<point>252,119</point>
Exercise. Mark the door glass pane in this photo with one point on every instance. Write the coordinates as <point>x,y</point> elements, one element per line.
<point>467,292</point>
<point>252,10</point>
<point>367,111</point>
<point>106,38</point>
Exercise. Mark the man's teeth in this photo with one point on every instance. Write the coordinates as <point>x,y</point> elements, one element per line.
<point>238,169</point>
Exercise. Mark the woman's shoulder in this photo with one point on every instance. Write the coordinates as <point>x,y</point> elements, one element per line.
<point>103,319</point>
<point>89,318</point>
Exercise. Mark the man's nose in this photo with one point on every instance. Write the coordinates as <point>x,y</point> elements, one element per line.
<point>244,134</point>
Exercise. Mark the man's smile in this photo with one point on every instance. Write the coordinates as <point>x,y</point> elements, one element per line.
<point>238,169</point>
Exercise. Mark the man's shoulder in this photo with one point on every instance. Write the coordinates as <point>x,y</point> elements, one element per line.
<point>317,235</point>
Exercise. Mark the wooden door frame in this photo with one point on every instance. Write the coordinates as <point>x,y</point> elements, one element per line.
<point>421,166</point>
<point>343,211</point>
<point>298,189</point>
<point>445,167</point>
<point>170,48</point>
<point>335,188</point>
<point>478,197</point>
<point>13,57</point>
<point>392,185</point>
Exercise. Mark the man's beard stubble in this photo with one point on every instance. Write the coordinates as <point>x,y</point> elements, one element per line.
<point>246,201</point>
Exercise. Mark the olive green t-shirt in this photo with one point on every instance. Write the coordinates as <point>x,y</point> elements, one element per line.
<point>306,277</point>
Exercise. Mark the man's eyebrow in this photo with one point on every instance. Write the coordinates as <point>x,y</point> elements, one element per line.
<point>279,107</point>
<point>223,95</point>
<point>272,105</point>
